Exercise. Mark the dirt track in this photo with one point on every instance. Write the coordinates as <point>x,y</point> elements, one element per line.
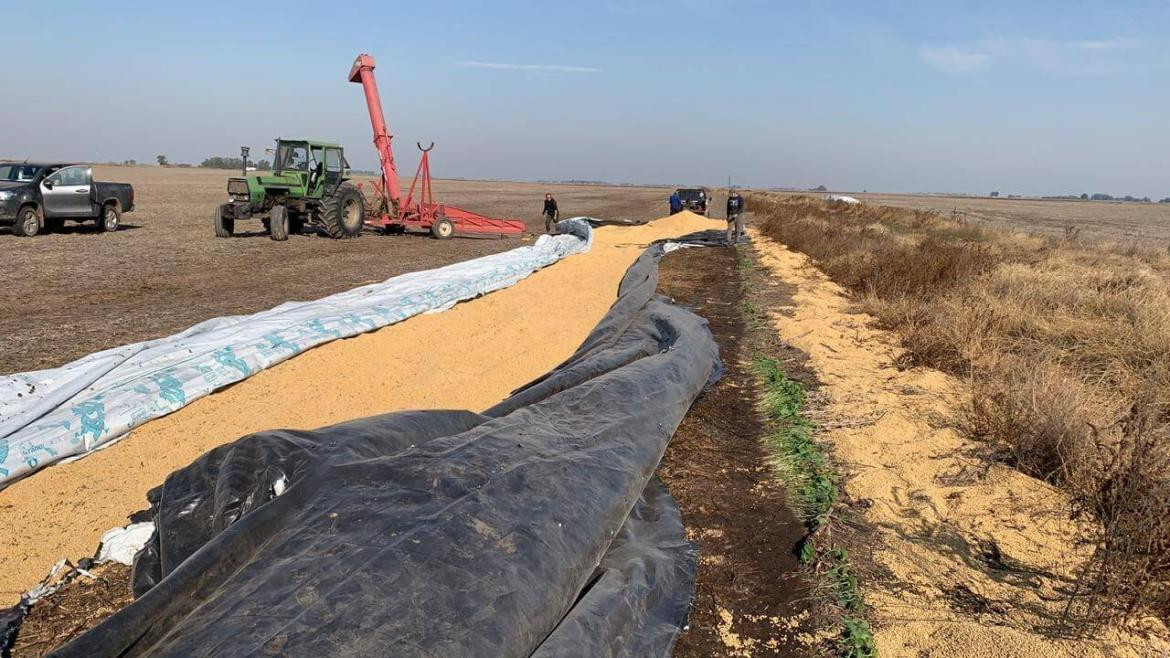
<point>66,295</point>
<point>750,596</point>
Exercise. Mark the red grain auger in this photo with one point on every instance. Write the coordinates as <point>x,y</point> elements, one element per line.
<point>389,211</point>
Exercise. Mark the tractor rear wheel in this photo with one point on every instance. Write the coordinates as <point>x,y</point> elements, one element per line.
<point>224,225</point>
<point>278,223</point>
<point>442,228</point>
<point>344,214</point>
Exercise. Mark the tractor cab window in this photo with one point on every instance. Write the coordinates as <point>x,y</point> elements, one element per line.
<point>292,157</point>
<point>333,171</point>
<point>333,160</point>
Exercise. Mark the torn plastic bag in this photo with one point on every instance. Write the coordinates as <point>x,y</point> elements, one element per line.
<point>533,528</point>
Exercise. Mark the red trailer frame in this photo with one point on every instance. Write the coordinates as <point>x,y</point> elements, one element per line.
<point>389,211</point>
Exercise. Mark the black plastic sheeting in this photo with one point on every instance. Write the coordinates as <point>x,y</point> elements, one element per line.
<point>533,529</point>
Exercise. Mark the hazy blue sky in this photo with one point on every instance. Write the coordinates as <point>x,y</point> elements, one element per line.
<point>1024,97</point>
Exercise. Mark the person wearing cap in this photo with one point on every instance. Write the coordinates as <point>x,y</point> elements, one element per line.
<point>551,214</point>
<point>735,208</point>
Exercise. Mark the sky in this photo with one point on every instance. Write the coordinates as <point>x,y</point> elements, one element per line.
<point>1019,97</point>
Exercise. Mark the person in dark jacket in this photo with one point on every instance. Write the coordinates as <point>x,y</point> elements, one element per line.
<point>675,203</point>
<point>551,214</point>
<point>735,208</point>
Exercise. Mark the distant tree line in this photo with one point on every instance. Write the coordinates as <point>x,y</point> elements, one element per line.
<point>1108,197</point>
<point>234,163</point>
<point>1095,197</point>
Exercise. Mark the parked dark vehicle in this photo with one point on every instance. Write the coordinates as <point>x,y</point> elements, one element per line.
<point>693,199</point>
<point>36,196</point>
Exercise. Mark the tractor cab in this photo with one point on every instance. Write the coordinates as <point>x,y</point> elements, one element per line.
<point>302,169</point>
<point>320,166</point>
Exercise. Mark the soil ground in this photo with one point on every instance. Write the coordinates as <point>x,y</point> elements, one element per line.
<point>751,597</point>
<point>68,294</point>
<point>74,609</point>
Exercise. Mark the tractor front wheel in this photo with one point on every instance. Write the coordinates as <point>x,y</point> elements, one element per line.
<point>224,225</point>
<point>344,214</point>
<point>442,228</point>
<point>278,223</point>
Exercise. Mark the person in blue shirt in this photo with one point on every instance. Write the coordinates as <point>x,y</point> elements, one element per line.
<point>675,203</point>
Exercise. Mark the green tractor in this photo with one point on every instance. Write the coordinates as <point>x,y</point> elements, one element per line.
<point>308,186</point>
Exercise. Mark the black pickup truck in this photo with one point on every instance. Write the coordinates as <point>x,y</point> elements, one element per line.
<point>693,199</point>
<point>35,196</point>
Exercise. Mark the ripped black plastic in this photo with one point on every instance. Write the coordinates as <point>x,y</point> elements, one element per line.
<point>535,528</point>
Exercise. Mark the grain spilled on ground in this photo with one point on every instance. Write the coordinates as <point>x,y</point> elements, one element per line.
<point>974,558</point>
<point>469,357</point>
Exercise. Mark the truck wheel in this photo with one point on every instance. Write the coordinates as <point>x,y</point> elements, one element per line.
<point>110,220</point>
<point>343,214</point>
<point>28,222</point>
<point>224,225</point>
<point>54,224</point>
<point>278,223</point>
<point>442,228</point>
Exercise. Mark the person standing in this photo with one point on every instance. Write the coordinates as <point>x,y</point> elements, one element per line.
<point>735,208</point>
<point>551,214</point>
<point>675,203</point>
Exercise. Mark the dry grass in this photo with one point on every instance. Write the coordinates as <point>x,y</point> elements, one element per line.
<point>1066,346</point>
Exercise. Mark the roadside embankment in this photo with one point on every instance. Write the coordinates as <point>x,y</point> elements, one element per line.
<point>1053,353</point>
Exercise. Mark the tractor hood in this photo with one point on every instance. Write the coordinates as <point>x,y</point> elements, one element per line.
<point>285,178</point>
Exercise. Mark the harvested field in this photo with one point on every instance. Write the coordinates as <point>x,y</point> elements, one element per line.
<point>1106,221</point>
<point>66,295</point>
<point>467,358</point>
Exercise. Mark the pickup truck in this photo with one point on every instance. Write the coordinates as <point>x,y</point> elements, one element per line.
<point>694,199</point>
<point>36,196</point>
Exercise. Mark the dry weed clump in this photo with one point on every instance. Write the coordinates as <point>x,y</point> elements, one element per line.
<point>1067,348</point>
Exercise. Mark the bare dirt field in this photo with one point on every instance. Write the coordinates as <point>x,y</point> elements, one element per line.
<point>66,295</point>
<point>1095,220</point>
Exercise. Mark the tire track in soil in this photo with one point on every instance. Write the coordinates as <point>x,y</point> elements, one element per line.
<point>751,598</point>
